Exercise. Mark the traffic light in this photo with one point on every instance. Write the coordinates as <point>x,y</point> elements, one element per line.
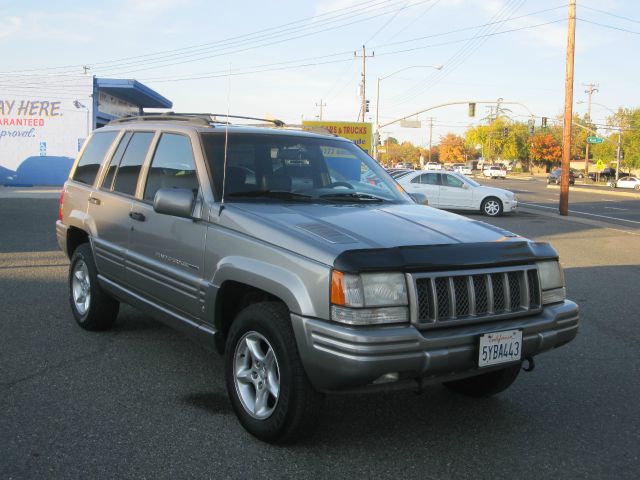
<point>505,132</point>
<point>472,109</point>
<point>544,122</point>
<point>532,126</point>
<point>376,138</point>
<point>366,106</point>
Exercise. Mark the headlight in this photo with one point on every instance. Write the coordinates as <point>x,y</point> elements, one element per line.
<point>552,282</point>
<point>369,298</point>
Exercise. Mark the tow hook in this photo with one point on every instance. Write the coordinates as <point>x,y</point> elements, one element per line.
<point>531,364</point>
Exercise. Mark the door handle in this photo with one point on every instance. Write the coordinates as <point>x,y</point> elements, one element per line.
<point>137,216</point>
<point>95,201</point>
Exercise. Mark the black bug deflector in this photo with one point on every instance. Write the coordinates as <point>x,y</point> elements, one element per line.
<point>444,257</point>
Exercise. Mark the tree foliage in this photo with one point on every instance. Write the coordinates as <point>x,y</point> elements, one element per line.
<point>545,150</point>
<point>452,148</point>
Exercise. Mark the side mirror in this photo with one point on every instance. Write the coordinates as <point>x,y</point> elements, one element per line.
<point>177,202</point>
<point>465,186</point>
<point>419,198</point>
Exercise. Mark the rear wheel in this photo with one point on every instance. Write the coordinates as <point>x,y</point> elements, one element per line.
<point>267,385</point>
<point>487,384</point>
<point>92,308</point>
<point>491,207</point>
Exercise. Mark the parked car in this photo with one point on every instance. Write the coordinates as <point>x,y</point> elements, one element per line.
<point>494,171</point>
<point>604,176</point>
<point>408,165</point>
<point>626,182</point>
<point>462,168</point>
<point>454,191</point>
<point>556,176</point>
<point>432,166</point>
<point>400,172</point>
<point>301,261</point>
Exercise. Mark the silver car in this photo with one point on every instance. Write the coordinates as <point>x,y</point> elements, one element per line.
<point>298,258</point>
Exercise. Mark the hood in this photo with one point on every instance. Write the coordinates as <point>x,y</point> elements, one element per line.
<point>323,231</point>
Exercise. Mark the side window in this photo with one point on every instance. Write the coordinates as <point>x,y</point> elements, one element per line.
<point>451,181</point>
<point>172,166</point>
<point>107,183</point>
<point>427,179</point>
<point>131,163</point>
<point>92,157</point>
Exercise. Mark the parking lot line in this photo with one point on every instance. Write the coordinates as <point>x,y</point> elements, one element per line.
<point>582,213</point>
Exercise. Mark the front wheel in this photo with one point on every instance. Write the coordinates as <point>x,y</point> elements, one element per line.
<point>487,384</point>
<point>491,207</point>
<point>267,385</point>
<point>92,308</point>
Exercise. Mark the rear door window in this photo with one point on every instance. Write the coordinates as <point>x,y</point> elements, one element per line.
<point>126,177</point>
<point>93,155</point>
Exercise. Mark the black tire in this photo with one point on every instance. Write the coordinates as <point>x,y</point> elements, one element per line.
<point>98,311</point>
<point>294,412</point>
<point>487,384</point>
<point>491,207</point>
<point>637,187</point>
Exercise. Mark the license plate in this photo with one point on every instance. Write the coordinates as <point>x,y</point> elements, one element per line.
<point>500,347</point>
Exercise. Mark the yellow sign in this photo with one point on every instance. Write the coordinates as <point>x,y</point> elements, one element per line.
<point>600,165</point>
<point>359,133</point>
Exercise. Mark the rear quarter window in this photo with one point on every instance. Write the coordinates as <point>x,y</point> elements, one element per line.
<point>93,156</point>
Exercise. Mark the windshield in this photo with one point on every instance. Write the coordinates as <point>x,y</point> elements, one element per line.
<point>296,168</point>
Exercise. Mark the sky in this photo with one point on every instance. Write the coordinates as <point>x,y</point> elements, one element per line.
<point>283,58</point>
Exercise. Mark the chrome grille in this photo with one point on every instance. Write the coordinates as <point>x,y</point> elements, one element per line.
<point>475,295</point>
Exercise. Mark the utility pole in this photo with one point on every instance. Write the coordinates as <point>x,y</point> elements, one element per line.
<point>86,69</point>
<point>589,91</point>
<point>568,111</point>
<point>321,105</point>
<point>363,106</point>
<point>430,136</point>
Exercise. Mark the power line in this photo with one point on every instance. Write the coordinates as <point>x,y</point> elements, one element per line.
<point>464,52</point>
<point>366,4</point>
<point>610,14</point>
<point>612,27</point>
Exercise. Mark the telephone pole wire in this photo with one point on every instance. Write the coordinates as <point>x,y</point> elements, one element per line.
<point>568,111</point>
<point>363,106</point>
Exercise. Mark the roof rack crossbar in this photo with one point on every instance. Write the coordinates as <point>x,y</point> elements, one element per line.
<point>197,118</point>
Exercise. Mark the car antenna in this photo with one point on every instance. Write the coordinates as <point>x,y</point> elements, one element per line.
<point>226,142</point>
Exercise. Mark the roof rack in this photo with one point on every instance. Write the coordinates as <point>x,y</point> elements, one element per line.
<point>205,119</point>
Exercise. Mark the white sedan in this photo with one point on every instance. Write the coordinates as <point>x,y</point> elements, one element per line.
<point>454,191</point>
<point>626,182</point>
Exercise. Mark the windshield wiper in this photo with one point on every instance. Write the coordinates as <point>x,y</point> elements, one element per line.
<point>346,196</point>
<point>277,194</point>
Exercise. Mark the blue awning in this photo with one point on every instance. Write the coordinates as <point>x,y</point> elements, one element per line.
<point>133,92</point>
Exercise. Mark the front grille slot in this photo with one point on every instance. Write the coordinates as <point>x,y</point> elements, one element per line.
<point>446,297</point>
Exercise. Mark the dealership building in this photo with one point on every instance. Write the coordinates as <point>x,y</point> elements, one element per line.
<point>45,119</point>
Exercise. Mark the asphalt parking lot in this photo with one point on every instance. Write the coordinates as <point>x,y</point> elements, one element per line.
<point>142,401</point>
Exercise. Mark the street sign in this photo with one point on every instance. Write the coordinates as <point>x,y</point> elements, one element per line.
<point>410,123</point>
<point>599,165</point>
<point>595,139</point>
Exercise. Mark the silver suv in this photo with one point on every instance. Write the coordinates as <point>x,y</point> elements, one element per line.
<point>298,258</point>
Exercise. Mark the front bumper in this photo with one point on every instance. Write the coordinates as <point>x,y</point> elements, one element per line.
<point>338,357</point>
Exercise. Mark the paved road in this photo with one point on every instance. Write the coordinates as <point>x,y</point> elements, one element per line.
<point>142,401</point>
<point>618,206</point>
